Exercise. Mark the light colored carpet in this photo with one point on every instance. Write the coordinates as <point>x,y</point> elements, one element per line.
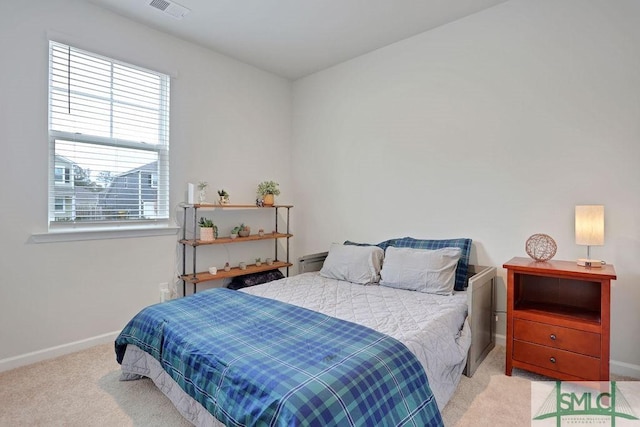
<point>83,389</point>
<point>490,398</point>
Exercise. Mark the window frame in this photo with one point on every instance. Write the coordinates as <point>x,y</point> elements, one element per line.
<point>161,149</point>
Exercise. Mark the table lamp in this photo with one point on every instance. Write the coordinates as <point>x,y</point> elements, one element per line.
<point>590,231</point>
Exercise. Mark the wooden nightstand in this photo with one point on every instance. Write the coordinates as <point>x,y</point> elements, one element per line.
<point>558,319</point>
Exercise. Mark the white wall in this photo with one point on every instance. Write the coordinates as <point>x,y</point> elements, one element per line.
<point>493,127</point>
<point>230,126</point>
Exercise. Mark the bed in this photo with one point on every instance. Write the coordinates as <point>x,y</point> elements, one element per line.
<point>382,355</point>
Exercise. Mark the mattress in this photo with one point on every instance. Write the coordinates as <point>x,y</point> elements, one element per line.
<point>433,327</point>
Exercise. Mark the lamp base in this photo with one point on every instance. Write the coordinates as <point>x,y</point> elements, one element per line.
<point>593,263</point>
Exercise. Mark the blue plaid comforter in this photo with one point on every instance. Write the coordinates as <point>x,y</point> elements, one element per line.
<point>252,361</point>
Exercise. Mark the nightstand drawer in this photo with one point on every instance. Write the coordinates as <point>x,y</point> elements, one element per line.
<point>558,360</point>
<point>557,336</point>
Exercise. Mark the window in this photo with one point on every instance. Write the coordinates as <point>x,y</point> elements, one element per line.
<point>62,175</point>
<point>108,141</point>
<point>60,204</point>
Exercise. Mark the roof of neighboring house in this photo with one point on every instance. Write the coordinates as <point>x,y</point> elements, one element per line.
<point>115,183</point>
<point>149,167</point>
<point>59,158</point>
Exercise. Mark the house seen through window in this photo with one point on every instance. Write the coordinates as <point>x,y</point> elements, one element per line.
<point>108,140</point>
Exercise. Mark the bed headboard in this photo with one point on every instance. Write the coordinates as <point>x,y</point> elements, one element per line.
<point>313,262</point>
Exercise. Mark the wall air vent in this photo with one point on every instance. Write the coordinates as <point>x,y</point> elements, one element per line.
<point>170,7</point>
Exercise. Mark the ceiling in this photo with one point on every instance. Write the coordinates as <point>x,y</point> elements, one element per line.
<point>294,38</point>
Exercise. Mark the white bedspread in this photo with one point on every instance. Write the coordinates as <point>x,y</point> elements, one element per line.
<point>432,326</point>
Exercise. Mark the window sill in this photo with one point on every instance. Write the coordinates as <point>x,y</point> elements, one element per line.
<point>101,234</point>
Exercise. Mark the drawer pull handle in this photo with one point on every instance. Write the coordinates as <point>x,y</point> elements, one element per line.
<point>552,359</point>
<point>553,337</point>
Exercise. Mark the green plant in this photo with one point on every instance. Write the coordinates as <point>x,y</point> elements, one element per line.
<point>268,187</point>
<point>236,229</point>
<point>202,185</point>
<point>206,222</point>
<point>258,260</point>
<point>223,193</point>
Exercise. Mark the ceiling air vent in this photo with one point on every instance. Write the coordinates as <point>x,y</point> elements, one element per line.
<point>170,7</point>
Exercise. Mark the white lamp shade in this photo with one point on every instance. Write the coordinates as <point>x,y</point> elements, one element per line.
<point>590,225</point>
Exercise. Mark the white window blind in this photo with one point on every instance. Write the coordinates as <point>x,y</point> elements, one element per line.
<point>108,141</point>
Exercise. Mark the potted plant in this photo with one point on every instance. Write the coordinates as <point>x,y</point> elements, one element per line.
<point>269,261</point>
<point>235,230</point>
<point>261,232</point>
<point>267,190</point>
<point>244,231</point>
<point>202,188</point>
<point>227,267</point>
<point>224,197</point>
<point>258,262</point>
<point>208,230</point>
<point>242,265</point>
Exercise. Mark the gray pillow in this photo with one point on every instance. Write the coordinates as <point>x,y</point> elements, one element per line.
<point>422,270</point>
<point>355,264</point>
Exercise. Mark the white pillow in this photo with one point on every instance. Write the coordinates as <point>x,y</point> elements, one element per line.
<point>422,270</point>
<point>355,264</point>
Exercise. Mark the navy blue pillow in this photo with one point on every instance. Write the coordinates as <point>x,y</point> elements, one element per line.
<point>381,245</point>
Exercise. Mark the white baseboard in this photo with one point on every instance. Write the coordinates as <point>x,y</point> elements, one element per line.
<point>624,369</point>
<point>50,353</point>
<point>501,340</point>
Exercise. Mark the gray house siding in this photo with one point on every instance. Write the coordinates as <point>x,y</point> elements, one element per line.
<point>132,195</point>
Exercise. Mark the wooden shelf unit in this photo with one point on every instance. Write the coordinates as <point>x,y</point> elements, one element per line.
<point>194,277</point>
<point>234,272</point>
<point>558,319</point>
<point>223,240</point>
